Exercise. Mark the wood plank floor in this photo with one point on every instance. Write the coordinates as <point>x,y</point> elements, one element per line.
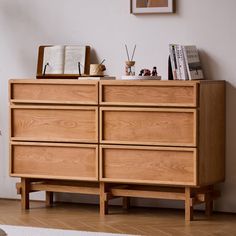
<point>138,221</point>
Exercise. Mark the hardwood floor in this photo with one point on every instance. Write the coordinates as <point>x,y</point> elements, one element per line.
<point>139,221</point>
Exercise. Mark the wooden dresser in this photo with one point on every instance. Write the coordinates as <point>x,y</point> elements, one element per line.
<point>152,139</point>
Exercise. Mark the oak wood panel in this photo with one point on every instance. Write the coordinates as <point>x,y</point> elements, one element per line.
<point>146,93</point>
<point>188,205</point>
<point>25,184</point>
<point>67,189</point>
<point>62,186</point>
<point>61,93</point>
<point>150,165</point>
<point>54,123</point>
<point>48,160</point>
<point>49,198</point>
<point>146,192</point>
<point>148,126</point>
<point>212,132</point>
<point>172,125</point>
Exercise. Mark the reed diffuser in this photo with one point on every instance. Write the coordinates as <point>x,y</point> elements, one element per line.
<point>130,63</point>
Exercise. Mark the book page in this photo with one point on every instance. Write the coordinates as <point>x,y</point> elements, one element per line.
<point>74,55</point>
<point>54,56</point>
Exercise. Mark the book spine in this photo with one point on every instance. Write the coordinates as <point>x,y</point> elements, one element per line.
<point>185,70</point>
<point>173,61</point>
<point>186,61</point>
<point>181,63</point>
<point>178,72</point>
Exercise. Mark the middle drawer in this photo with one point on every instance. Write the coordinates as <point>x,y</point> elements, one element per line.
<point>148,126</point>
<point>54,123</point>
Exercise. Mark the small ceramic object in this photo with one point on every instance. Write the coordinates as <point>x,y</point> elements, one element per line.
<point>97,69</point>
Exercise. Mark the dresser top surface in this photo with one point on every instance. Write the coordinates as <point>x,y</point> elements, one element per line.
<point>112,81</point>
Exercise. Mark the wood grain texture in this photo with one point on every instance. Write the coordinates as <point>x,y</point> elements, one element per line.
<point>149,192</point>
<point>212,132</point>
<point>50,123</point>
<point>148,94</point>
<point>62,186</point>
<point>55,93</point>
<point>103,201</point>
<point>191,196</point>
<point>55,161</point>
<point>49,198</point>
<point>148,165</point>
<point>138,221</point>
<point>188,205</point>
<point>174,133</point>
<point>149,126</point>
<point>25,184</point>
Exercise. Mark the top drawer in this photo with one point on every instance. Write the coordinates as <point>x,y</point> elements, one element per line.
<point>54,91</point>
<point>149,93</point>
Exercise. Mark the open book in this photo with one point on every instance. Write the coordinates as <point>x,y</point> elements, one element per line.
<point>65,59</point>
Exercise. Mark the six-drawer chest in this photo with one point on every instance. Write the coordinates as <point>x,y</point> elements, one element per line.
<point>113,138</point>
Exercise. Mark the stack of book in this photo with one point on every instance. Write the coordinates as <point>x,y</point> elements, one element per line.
<point>185,62</point>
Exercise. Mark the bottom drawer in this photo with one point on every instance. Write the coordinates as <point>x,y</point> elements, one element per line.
<point>54,161</point>
<point>150,165</point>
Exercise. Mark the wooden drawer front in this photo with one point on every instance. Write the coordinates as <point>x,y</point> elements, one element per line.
<point>52,123</point>
<point>148,94</point>
<point>172,127</point>
<point>148,165</point>
<point>70,93</point>
<point>48,160</point>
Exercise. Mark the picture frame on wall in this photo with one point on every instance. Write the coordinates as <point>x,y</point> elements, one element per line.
<point>151,6</point>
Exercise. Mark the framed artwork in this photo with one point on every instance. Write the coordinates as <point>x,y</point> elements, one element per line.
<point>151,6</point>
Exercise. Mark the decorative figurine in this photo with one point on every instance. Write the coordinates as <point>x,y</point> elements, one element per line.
<point>146,72</point>
<point>154,71</point>
<point>141,72</point>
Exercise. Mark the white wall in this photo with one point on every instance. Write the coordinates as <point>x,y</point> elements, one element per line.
<point>107,25</point>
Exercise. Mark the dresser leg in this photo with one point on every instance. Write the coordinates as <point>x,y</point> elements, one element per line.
<point>209,201</point>
<point>49,199</point>
<point>126,203</point>
<point>103,199</point>
<point>25,189</point>
<point>188,205</point>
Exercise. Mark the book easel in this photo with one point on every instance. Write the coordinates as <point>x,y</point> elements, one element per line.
<point>41,75</point>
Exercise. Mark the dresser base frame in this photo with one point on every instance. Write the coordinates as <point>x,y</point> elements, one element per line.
<point>106,191</point>
<point>190,195</point>
<point>29,185</point>
<point>50,186</point>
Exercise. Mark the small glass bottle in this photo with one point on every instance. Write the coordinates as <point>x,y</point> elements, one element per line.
<point>130,68</point>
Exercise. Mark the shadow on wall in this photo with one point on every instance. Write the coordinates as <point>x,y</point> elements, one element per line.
<point>210,66</point>
<point>229,203</point>
<point>212,70</point>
